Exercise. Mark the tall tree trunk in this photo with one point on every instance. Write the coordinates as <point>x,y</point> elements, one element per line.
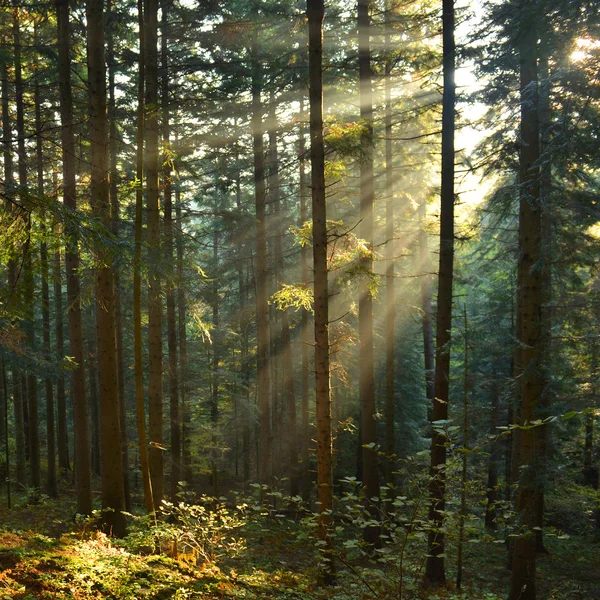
<point>316,13</point>
<point>262,296</point>
<point>80,407</point>
<point>370,472</point>
<point>186,458</point>
<point>21,472</point>
<point>523,584</point>
<point>61,406</point>
<point>434,572</point>
<point>390,251</point>
<point>4,385</point>
<point>175,426</point>
<point>426,312</point>
<point>216,358</point>
<point>92,373</point>
<point>155,350</point>
<point>545,120</point>
<point>137,278</point>
<point>113,494</point>
<point>305,330</point>
<point>463,483</point>
<point>28,278</point>
<point>244,360</point>
<point>115,217</point>
<point>51,480</point>
<point>492,480</point>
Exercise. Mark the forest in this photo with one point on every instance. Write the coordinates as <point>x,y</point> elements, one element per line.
<point>300,299</point>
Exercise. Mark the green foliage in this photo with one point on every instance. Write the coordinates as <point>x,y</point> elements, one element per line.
<point>293,296</point>
<point>204,530</point>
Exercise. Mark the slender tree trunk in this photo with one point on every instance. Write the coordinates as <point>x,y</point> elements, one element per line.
<point>370,472</point>
<point>115,216</point>
<point>216,357</point>
<point>6,439</point>
<point>463,488</point>
<point>492,480</point>
<point>426,311</point>
<point>243,324</point>
<point>137,278</point>
<point>305,330</point>
<point>28,278</point>
<point>316,13</point>
<point>390,251</point>
<point>434,572</point>
<point>21,472</point>
<point>523,585</point>
<point>92,373</point>
<point>262,299</point>
<point>186,457</point>
<point>80,407</point>
<point>175,426</point>
<point>113,494</point>
<point>51,479</point>
<point>61,406</point>
<point>545,120</point>
<point>155,350</point>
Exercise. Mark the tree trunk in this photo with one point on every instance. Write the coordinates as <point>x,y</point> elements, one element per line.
<point>262,296</point>
<point>186,458</point>
<point>61,406</point>
<point>4,385</point>
<point>115,216</point>
<point>523,586</point>
<point>370,472</point>
<point>305,330</point>
<point>20,460</point>
<point>390,251</point>
<point>492,480</point>
<point>113,494</point>
<point>28,278</point>
<point>434,571</point>
<point>175,426</point>
<point>51,480</point>
<point>316,13</point>
<point>216,346</point>
<point>155,395</point>
<point>137,278</point>
<point>426,312</point>
<point>80,407</point>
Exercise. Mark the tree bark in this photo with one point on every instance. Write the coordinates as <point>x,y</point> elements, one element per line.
<point>492,480</point>
<point>113,495</point>
<point>115,216</point>
<point>80,407</point>
<point>51,479</point>
<point>305,330</point>
<point>523,585</point>
<point>175,425</point>
<point>20,461</point>
<point>434,571</point>
<point>316,13</point>
<point>390,251</point>
<point>28,279</point>
<point>155,350</point>
<point>370,472</point>
<point>262,299</point>
<point>137,278</point>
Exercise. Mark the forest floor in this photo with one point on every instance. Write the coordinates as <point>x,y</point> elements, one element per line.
<point>45,554</point>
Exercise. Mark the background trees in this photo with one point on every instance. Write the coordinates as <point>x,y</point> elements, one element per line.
<point>183,177</point>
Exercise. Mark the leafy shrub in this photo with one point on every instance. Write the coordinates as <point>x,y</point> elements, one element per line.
<point>201,531</point>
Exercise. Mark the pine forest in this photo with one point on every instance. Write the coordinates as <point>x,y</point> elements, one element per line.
<point>300,300</point>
